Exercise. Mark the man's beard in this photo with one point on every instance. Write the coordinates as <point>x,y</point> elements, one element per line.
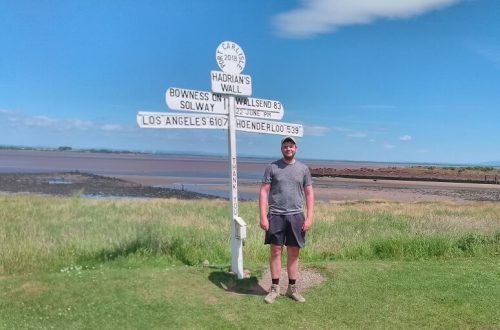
<point>288,158</point>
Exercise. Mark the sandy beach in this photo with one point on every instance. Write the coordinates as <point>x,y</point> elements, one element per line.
<point>342,189</point>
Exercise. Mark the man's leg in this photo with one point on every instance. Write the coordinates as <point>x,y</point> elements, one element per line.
<point>292,266</point>
<point>275,267</point>
<point>275,261</point>
<point>292,263</point>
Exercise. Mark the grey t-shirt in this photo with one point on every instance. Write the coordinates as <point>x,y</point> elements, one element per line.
<point>287,186</point>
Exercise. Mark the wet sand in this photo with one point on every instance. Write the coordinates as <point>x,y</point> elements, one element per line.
<point>343,189</point>
<point>211,175</point>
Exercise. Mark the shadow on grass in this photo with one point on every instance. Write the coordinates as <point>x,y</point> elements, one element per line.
<point>228,282</point>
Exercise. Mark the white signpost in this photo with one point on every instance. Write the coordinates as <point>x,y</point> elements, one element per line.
<point>199,101</point>
<point>229,83</point>
<point>250,107</point>
<point>147,119</point>
<point>226,108</point>
<point>164,120</point>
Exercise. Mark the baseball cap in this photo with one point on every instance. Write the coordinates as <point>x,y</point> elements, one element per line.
<point>288,138</point>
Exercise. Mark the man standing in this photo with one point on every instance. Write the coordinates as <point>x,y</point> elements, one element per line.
<point>285,184</point>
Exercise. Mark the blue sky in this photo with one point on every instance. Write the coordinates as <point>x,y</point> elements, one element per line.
<point>402,81</point>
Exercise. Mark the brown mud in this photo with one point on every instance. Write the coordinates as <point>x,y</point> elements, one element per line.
<point>327,188</point>
<point>90,185</point>
<point>418,173</point>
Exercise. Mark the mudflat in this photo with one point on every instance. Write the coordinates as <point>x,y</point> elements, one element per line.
<point>89,185</point>
<point>174,176</point>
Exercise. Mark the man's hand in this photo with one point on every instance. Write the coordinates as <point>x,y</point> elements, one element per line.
<point>307,224</point>
<point>308,190</point>
<point>264,223</point>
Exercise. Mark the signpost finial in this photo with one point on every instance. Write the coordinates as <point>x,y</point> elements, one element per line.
<point>230,57</point>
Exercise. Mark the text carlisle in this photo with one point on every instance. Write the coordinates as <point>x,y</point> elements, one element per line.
<point>269,127</point>
<point>162,120</point>
<point>197,101</point>
<point>234,84</point>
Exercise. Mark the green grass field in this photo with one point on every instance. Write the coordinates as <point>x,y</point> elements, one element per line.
<point>75,263</point>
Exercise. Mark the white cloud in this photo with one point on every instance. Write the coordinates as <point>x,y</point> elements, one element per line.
<point>488,52</point>
<point>323,16</point>
<point>389,146</point>
<point>316,130</point>
<point>358,135</point>
<point>351,133</point>
<point>57,123</point>
<point>18,120</point>
<point>342,129</point>
<point>405,138</point>
<point>376,107</point>
<point>113,127</point>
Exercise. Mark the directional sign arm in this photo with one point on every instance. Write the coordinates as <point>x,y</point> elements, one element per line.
<point>198,101</point>
<point>258,108</point>
<point>164,120</point>
<point>232,84</point>
<point>251,125</point>
<point>268,127</point>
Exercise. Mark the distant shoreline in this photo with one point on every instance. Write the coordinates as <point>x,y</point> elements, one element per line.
<point>326,189</point>
<point>313,161</point>
<point>420,173</point>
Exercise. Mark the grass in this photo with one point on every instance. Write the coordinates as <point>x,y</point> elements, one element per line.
<point>78,263</point>
<point>361,294</point>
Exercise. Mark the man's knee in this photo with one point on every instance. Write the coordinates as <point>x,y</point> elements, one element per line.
<point>276,250</point>
<point>293,251</point>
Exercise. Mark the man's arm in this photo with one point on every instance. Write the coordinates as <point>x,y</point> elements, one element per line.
<point>309,192</point>
<point>264,193</point>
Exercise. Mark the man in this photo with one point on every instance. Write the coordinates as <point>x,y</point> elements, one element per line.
<point>285,184</point>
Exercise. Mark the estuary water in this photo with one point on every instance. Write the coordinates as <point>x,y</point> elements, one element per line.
<point>205,174</point>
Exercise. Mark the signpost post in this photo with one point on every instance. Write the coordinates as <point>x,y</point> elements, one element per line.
<point>231,61</point>
<point>228,107</point>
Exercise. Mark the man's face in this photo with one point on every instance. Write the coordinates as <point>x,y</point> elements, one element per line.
<point>288,149</point>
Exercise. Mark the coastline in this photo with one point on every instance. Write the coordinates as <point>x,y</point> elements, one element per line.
<point>326,189</point>
<point>177,176</point>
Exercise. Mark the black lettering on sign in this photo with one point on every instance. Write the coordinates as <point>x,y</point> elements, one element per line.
<point>204,106</point>
<point>227,88</point>
<point>189,94</point>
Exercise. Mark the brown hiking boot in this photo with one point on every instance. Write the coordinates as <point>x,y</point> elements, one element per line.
<point>293,293</point>
<point>274,293</point>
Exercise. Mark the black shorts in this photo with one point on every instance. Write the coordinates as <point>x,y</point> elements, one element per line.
<point>286,230</point>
